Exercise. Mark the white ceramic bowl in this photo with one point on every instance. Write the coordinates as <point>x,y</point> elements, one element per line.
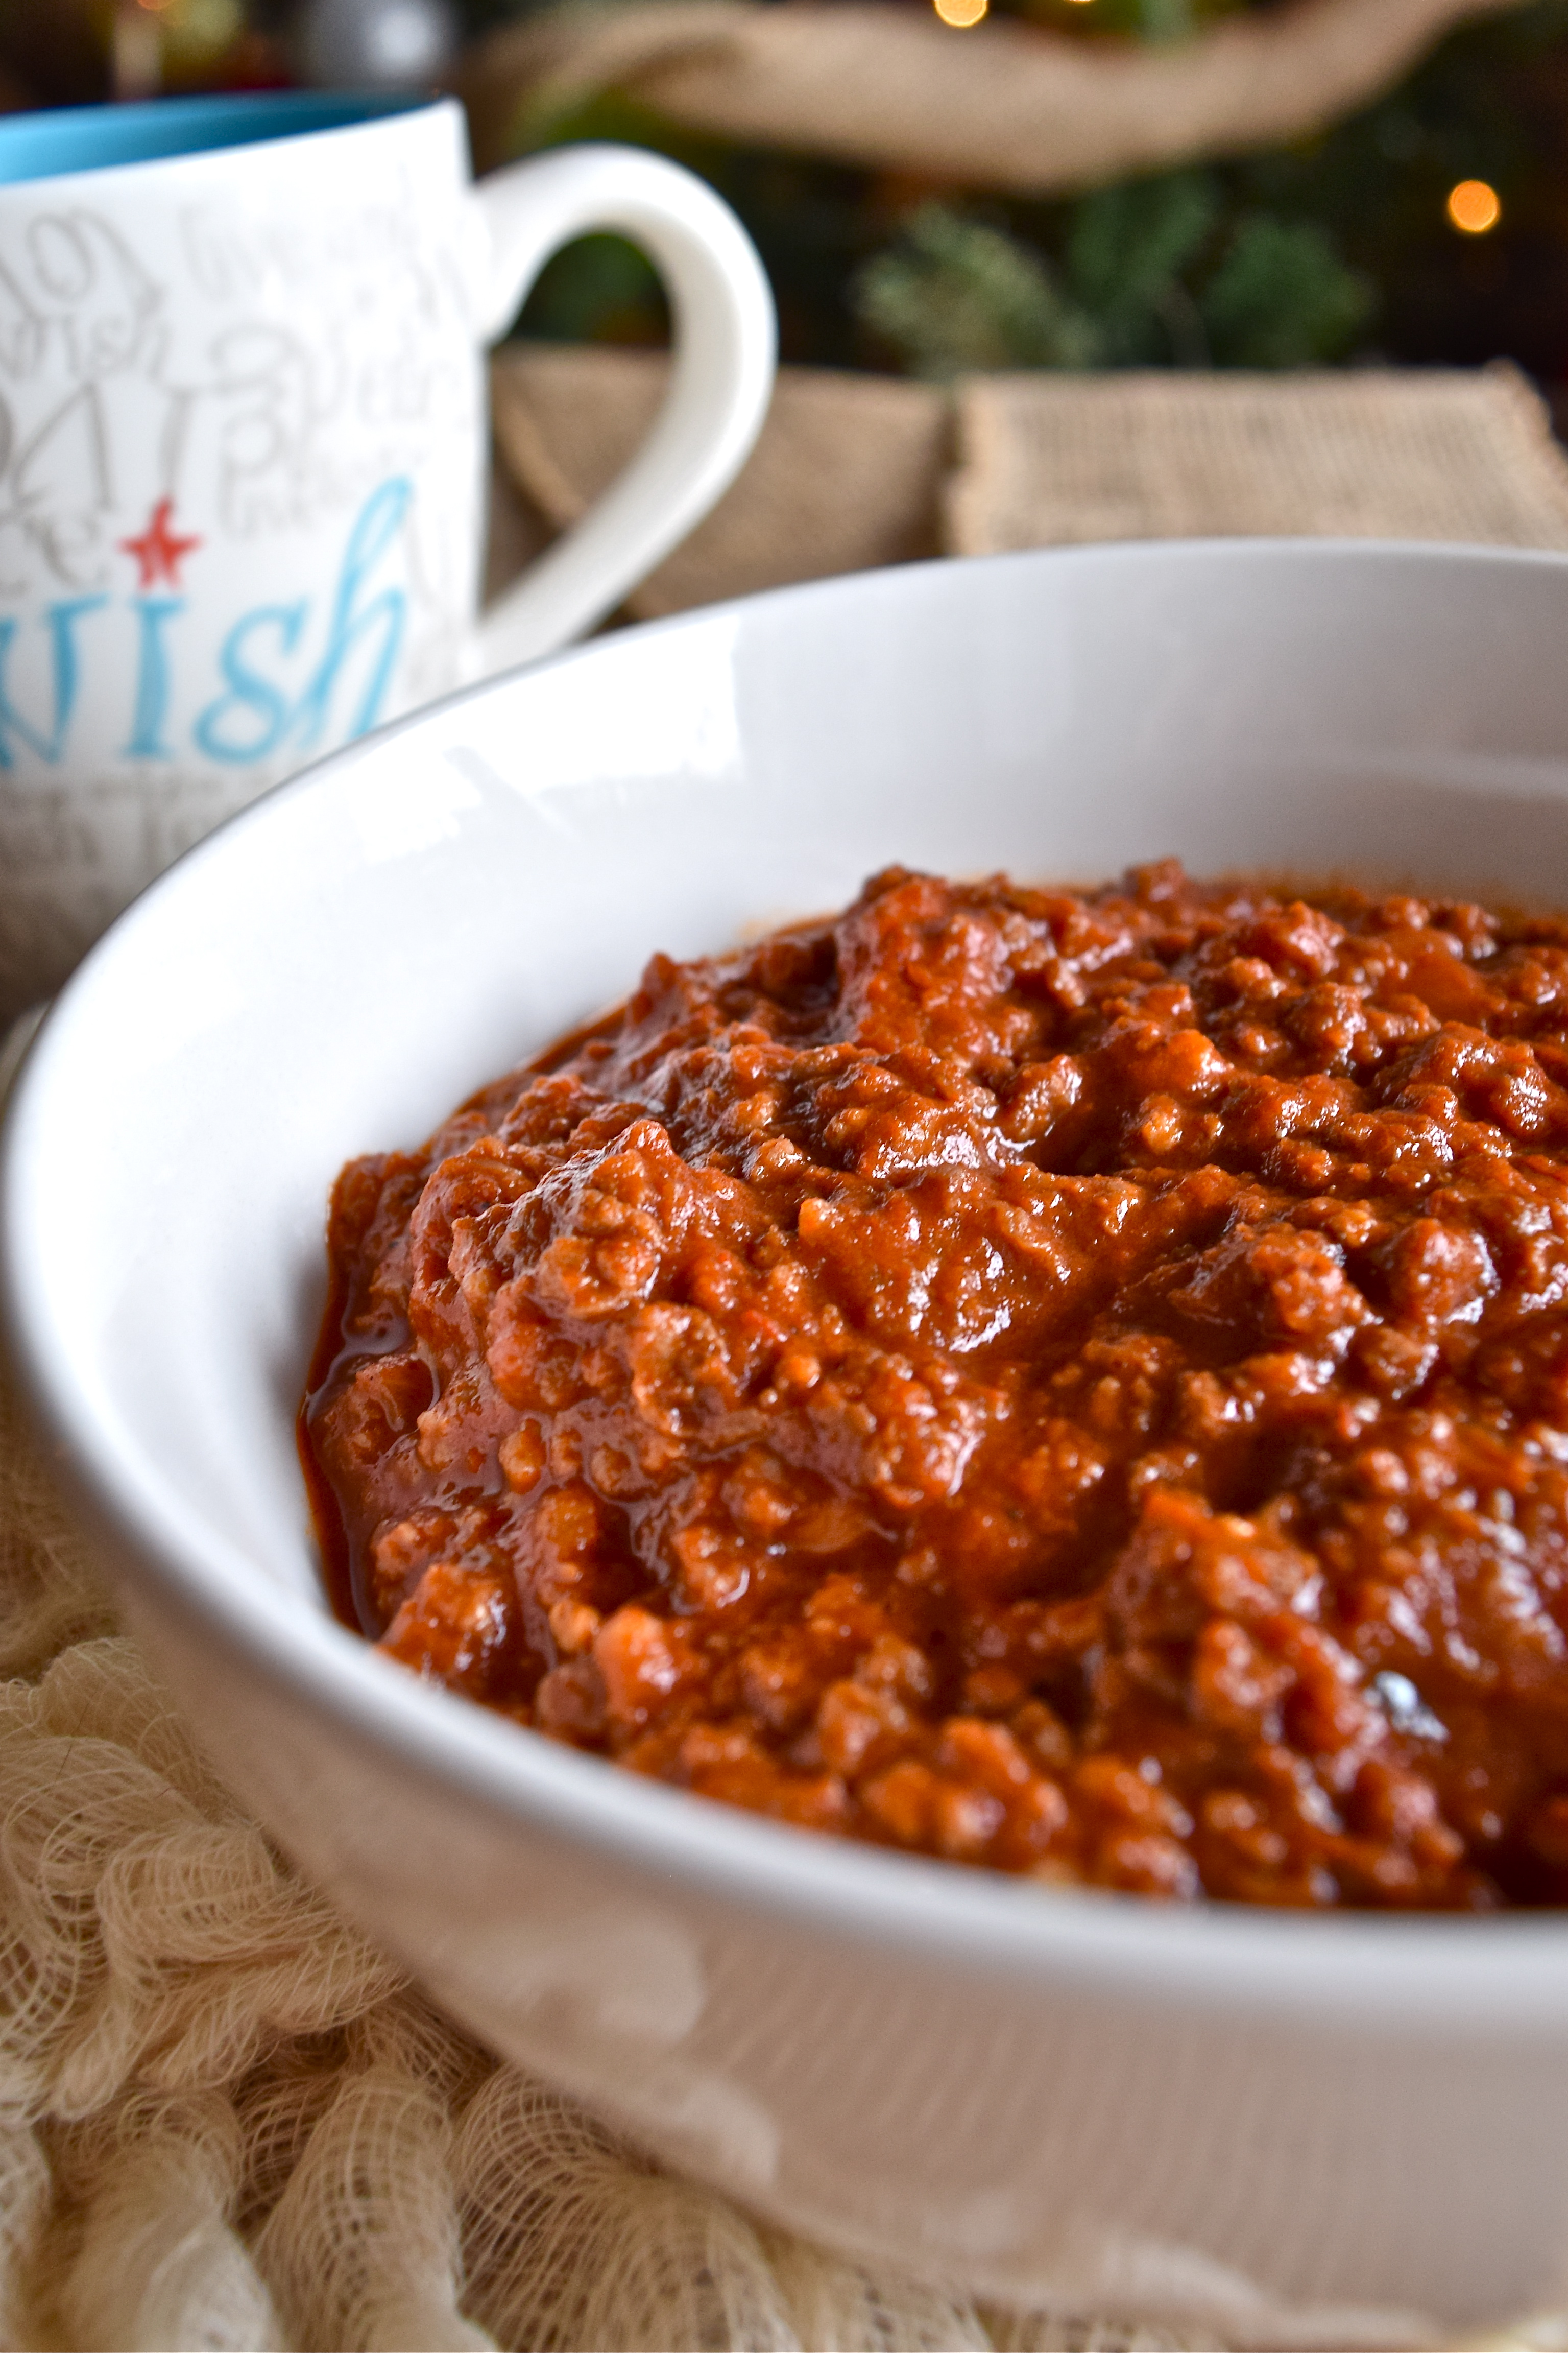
<point>1314,2130</point>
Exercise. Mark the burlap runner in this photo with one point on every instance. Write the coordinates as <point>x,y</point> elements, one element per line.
<point>855,471</point>
<point>847,472</point>
<point>224,2121</point>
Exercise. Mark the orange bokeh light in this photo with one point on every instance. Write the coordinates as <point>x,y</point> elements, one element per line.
<point>961,13</point>
<point>1474,207</point>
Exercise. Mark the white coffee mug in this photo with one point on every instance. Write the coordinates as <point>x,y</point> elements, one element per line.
<point>242,451</point>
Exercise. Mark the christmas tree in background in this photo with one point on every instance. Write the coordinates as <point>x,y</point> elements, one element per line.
<point>1344,246</point>
<point>1430,225</point>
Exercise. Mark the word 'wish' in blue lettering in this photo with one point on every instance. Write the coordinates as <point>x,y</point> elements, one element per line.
<point>257,713</point>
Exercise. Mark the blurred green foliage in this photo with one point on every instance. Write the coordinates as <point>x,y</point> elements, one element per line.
<point>597,290</point>
<point>1282,297</point>
<point>1152,275</point>
<point>956,294</point>
<point>1335,248</point>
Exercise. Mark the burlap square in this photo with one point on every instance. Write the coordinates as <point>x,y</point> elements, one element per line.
<point>846,473</point>
<point>1048,459</point>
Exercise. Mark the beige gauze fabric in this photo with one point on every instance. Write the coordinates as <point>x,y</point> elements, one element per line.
<point>1003,105</point>
<point>1049,460</point>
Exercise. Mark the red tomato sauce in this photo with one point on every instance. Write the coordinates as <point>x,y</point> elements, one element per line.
<point>1074,1383</point>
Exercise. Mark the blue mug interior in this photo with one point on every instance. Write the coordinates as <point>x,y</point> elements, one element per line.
<point>96,138</point>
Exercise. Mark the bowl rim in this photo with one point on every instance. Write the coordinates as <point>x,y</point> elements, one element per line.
<point>1416,1974</point>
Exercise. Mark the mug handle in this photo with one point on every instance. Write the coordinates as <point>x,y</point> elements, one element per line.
<point>725,341</point>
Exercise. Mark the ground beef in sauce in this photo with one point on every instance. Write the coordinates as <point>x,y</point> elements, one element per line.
<point>1077,1384</point>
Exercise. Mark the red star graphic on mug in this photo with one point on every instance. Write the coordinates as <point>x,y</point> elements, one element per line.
<point>159,552</point>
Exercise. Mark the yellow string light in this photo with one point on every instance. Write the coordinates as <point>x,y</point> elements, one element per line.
<point>1474,207</point>
<point>961,13</point>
